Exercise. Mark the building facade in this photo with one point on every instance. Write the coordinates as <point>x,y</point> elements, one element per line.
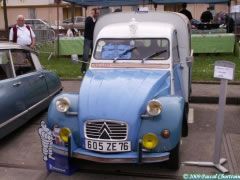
<point>47,10</point>
<point>32,9</point>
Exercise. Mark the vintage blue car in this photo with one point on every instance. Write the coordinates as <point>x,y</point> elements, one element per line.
<point>133,101</point>
<point>25,88</point>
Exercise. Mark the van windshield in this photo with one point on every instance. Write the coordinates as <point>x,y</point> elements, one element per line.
<point>132,49</point>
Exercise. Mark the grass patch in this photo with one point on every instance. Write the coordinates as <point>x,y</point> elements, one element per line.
<point>63,66</point>
<point>203,66</point>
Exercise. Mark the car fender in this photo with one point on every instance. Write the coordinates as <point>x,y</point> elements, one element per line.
<point>170,118</point>
<point>68,119</point>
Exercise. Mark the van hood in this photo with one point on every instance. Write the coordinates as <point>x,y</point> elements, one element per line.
<point>120,95</point>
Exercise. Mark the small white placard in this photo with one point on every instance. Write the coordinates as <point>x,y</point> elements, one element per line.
<point>235,9</point>
<point>223,72</point>
<point>143,9</point>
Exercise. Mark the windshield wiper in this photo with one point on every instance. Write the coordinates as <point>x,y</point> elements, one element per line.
<point>124,53</point>
<point>154,55</point>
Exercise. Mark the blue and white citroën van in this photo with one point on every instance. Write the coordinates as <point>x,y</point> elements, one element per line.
<point>133,101</point>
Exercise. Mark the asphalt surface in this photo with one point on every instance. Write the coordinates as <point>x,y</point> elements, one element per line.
<point>209,93</point>
<point>21,153</point>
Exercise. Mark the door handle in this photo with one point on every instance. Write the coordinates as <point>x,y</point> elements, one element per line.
<point>17,84</point>
<point>41,76</point>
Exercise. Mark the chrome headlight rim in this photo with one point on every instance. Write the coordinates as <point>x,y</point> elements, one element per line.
<point>63,104</point>
<point>154,107</point>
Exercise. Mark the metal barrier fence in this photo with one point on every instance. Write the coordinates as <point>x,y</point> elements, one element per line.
<point>45,41</point>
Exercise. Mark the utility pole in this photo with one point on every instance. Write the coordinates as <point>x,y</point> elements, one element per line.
<point>72,12</point>
<point>5,18</point>
<point>58,3</point>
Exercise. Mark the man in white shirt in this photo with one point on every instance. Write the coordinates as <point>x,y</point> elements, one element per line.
<point>22,34</point>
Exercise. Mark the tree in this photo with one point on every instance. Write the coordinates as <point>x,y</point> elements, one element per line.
<point>5,17</point>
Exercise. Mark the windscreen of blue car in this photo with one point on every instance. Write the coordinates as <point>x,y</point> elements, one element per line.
<point>132,49</point>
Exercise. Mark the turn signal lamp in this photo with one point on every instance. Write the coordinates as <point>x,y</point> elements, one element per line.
<point>149,141</point>
<point>64,134</point>
<point>165,133</point>
<point>63,104</point>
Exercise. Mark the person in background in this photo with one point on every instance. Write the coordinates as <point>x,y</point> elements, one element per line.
<point>206,16</point>
<point>117,10</point>
<point>229,22</point>
<point>186,12</point>
<point>219,18</point>
<point>71,32</point>
<point>88,37</point>
<point>22,34</point>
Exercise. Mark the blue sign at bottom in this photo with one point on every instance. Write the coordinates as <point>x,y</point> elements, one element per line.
<point>61,164</point>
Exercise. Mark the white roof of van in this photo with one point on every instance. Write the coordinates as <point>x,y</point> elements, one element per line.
<point>177,20</point>
<point>143,29</point>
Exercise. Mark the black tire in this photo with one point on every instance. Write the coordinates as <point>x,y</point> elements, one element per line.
<point>174,158</point>
<point>185,121</point>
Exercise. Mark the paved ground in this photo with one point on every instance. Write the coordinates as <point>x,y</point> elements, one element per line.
<point>21,156</point>
<point>209,93</point>
<point>212,90</point>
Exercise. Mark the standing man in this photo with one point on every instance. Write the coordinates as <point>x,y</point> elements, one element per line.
<point>185,11</point>
<point>229,22</point>
<point>88,37</point>
<point>206,16</point>
<point>22,34</point>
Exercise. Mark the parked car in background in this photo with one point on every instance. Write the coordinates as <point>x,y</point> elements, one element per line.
<point>40,24</point>
<point>77,22</point>
<point>25,87</point>
<point>132,106</point>
<point>197,24</point>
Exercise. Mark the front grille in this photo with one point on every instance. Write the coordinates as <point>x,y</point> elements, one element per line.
<point>106,130</point>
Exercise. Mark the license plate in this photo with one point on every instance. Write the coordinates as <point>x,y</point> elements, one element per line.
<point>108,146</point>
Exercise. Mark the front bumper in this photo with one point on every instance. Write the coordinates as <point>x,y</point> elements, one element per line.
<point>125,157</point>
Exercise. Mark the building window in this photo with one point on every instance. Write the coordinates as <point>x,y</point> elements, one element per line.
<point>32,13</point>
<point>68,14</point>
<point>172,7</point>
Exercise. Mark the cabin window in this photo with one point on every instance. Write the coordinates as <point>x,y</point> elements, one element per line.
<point>22,62</point>
<point>5,65</point>
<point>132,49</point>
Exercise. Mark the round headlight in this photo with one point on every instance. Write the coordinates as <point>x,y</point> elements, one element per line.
<point>64,134</point>
<point>150,141</point>
<point>63,104</point>
<point>154,107</point>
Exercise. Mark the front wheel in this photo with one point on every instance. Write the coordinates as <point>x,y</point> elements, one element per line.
<point>174,159</point>
<point>185,121</point>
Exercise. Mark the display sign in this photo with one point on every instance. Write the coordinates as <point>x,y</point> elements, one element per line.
<point>143,9</point>
<point>235,9</point>
<point>224,70</point>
